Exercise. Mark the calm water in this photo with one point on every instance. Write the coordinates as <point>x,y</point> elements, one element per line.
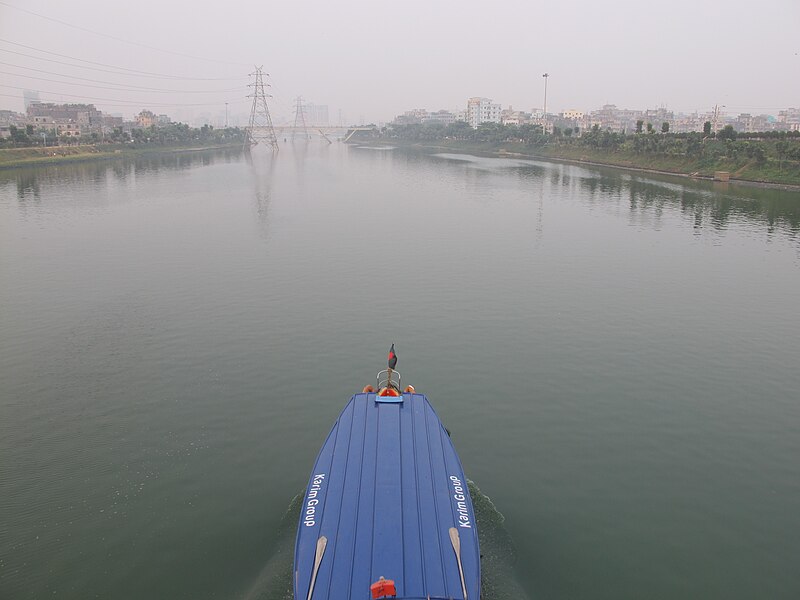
<point>616,356</point>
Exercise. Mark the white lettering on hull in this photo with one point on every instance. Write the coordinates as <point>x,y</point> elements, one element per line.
<point>462,509</point>
<point>310,518</point>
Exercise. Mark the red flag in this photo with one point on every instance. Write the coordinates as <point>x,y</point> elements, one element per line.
<point>392,358</point>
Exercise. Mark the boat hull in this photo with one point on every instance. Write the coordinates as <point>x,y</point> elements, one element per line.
<point>385,492</point>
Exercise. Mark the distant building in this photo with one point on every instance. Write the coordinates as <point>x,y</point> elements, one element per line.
<point>9,117</point>
<point>686,123</point>
<point>85,116</point>
<point>316,114</point>
<point>537,118</point>
<point>482,110</point>
<point>444,117</point>
<point>744,122</point>
<point>418,116</point>
<point>789,119</point>
<point>615,119</point>
<point>68,130</point>
<point>509,116</point>
<point>404,120</point>
<point>30,97</point>
<point>412,117</point>
<point>146,118</point>
<point>572,114</point>
<point>609,117</point>
<point>41,121</point>
<point>658,116</point>
<point>111,122</point>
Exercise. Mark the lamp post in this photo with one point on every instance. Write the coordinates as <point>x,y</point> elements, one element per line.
<point>226,115</point>
<point>716,117</point>
<point>544,116</point>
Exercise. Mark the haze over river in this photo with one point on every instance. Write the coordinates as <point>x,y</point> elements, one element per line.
<point>616,355</point>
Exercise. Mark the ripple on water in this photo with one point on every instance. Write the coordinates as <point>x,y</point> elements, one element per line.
<point>498,556</point>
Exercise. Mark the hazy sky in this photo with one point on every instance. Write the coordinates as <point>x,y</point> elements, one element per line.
<point>375,59</point>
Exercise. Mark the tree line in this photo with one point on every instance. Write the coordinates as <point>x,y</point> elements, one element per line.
<point>167,135</point>
<point>726,144</point>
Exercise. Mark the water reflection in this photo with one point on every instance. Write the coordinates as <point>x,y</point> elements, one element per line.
<point>704,204</point>
<point>53,183</point>
<point>309,158</point>
<point>122,322</point>
<point>28,185</point>
<point>262,168</point>
<point>647,197</point>
<point>29,179</point>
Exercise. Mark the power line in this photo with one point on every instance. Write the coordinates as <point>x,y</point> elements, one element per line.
<point>30,12</point>
<point>128,103</point>
<point>124,88</point>
<point>756,107</point>
<point>135,72</point>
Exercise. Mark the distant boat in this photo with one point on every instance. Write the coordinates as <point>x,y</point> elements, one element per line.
<point>387,512</point>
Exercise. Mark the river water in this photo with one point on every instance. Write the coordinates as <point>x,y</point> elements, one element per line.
<point>616,355</point>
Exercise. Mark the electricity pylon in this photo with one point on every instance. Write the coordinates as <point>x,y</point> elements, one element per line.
<point>300,119</point>
<point>260,128</point>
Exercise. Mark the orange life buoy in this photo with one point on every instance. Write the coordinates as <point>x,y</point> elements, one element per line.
<point>382,588</point>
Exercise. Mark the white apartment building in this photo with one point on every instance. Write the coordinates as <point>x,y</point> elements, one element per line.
<point>482,110</point>
<point>445,117</point>
<point>316,114</point>
<point>573,114</point>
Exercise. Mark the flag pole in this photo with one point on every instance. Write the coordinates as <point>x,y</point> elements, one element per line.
<point>392,363</point>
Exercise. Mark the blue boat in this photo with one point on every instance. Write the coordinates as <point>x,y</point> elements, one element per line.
<point>387,512</point>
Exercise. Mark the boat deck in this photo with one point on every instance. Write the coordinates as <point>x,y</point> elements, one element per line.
<point>386,489</point>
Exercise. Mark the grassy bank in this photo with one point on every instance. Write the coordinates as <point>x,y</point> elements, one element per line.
<point>19,157</point>
<point>743,170</point>
<point>767,158</point>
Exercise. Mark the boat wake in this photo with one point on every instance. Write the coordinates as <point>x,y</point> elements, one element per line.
<point>498,556</point>
<point>274,581</point>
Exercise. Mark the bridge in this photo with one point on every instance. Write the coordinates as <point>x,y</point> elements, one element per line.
<point>324,131</point>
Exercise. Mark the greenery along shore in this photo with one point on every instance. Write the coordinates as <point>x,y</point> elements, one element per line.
<point>21,148</point>
<point>770,157</point>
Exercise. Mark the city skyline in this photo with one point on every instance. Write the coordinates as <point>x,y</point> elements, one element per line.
<point>373,63</point>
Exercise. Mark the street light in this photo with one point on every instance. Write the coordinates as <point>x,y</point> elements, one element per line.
<point>716,117</point>
<point>544,116</point>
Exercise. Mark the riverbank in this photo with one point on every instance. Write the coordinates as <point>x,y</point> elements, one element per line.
<point>23,157</point>
<point>743,172</point>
